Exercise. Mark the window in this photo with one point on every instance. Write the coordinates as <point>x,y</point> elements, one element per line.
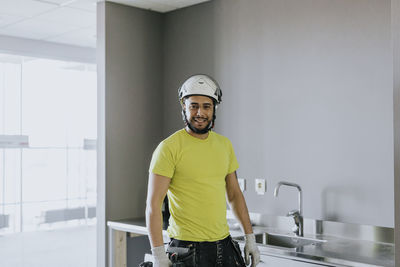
<point>51,183</point>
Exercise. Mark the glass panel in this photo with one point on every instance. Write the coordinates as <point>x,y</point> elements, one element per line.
<point>2,97</point>
<point>81,124</point>
<point>76,181</point>
<point>52,184</point>
<point>10,169</point>
<point>2,181</point>
<point>44,174</point>
<point>44,184</point>
<point>69,93</point>
<point>44,107</point>
<point>12,93</point>
<point>13,213</point>
<point>12,175</point>
<point>90,173</point>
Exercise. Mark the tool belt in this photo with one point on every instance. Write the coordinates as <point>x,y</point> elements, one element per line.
<point>180,257</point>
<point>186,256</point>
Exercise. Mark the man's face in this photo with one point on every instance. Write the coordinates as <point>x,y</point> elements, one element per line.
<point>199,111</point>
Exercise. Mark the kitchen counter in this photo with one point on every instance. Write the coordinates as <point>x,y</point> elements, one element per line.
<point>336,251</point>
<point>132,225</point>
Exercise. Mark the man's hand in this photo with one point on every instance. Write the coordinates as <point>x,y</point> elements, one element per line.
<point>160,257</point>
<point>251,249</point>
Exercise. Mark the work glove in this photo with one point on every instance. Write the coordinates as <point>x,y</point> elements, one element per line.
<point>251,249</point>
<point>160,257</point>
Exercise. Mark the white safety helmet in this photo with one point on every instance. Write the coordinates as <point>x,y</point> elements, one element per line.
<point>200,84</point>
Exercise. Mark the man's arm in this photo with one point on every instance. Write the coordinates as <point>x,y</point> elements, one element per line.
<point>237,202</point>
<point>239,207</point>
<point>156,191</point>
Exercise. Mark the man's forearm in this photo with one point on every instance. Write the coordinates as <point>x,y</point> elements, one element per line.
<point>154,226</point>
<point>239,207</point>
<point>157,188</point>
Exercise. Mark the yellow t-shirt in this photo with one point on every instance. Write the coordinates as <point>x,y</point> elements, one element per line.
<point>196,194</point>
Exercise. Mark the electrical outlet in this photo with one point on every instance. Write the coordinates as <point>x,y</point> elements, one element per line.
<point>242,184</point>
<point>260,186</point>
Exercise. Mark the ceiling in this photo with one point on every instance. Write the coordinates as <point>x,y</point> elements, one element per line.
<point>70,22</point>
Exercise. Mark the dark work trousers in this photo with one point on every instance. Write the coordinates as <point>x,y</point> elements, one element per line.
<point>222,253</point>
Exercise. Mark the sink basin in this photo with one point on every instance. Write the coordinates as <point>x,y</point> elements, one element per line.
<point>285,241</point>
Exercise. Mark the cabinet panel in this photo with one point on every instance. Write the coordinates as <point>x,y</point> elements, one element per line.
<point>269,261</point>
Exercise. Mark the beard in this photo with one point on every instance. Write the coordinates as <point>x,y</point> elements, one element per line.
<point>197,130</point>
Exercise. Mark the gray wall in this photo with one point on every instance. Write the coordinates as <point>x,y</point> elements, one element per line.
<point>130,120</point>
<point>132,105</point>
<point>396,112</point>
<point>188,48</point>
<point>307,98</point>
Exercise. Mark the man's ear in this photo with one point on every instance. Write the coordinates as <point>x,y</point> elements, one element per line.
<point>183,105</point>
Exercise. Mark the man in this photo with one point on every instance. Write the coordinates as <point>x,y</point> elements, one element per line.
<point>197,168</point>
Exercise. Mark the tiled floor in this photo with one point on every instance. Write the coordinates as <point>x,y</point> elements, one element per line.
<point>69,247</point>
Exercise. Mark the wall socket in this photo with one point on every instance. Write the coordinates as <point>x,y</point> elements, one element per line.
<point>242,184</point>
<point>260,186</point>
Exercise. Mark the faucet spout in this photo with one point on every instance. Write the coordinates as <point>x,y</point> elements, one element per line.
<point>276,192</point>
<point>298,216</point>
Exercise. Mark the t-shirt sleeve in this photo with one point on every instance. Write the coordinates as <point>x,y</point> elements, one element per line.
<point>162,162</point>
<point>233,163</point>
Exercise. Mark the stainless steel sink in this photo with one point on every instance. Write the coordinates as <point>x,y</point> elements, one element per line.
<point>285,241</point>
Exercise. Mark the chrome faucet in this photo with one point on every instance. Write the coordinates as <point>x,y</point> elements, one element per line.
<point>296,214</point>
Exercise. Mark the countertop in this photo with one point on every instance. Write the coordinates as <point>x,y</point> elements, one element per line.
<point>336,251</point>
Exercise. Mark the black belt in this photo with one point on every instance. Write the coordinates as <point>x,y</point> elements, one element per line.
<point>201,244</point>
